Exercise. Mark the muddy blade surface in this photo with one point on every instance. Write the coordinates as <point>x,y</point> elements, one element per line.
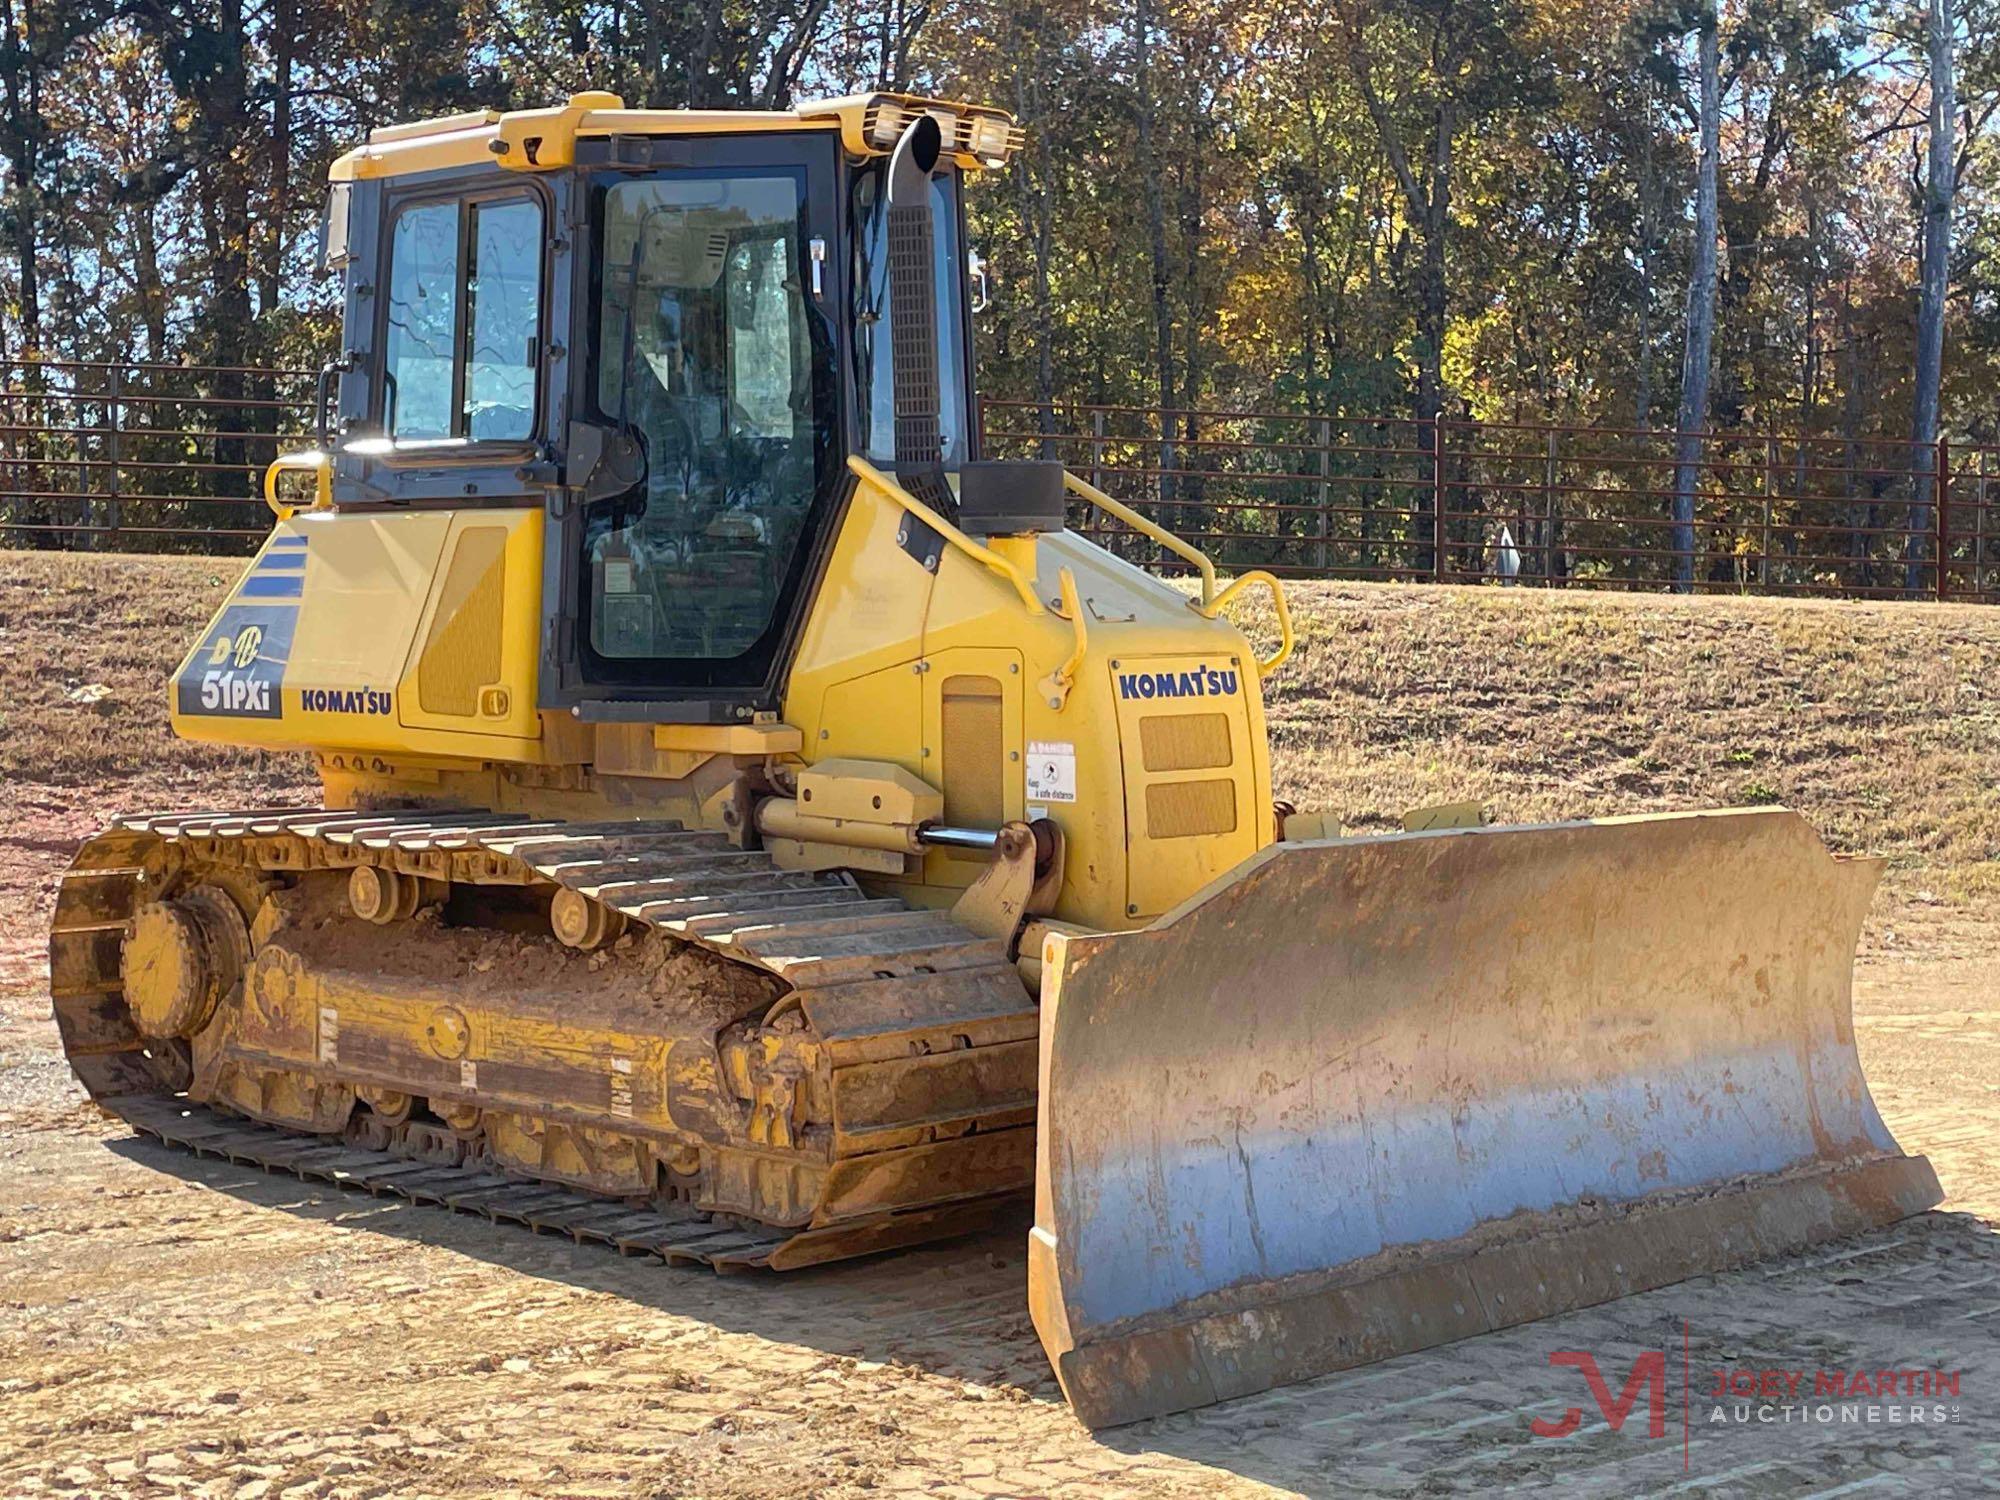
<point>1371,1095</point>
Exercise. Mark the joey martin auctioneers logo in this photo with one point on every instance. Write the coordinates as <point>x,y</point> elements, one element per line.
<point>1742,1395</point>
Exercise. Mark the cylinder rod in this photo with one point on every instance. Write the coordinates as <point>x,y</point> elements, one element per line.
<point>958,838</point>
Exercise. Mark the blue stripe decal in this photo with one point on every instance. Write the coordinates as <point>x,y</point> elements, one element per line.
<point>288,541</point>
<point>276,586</point>
<point>281,562</point>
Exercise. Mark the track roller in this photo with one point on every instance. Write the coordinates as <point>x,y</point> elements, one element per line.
<point>384,896</point>
<point>581,922</point>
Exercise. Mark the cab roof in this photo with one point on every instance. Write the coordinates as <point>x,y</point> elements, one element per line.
<point>539,140</point>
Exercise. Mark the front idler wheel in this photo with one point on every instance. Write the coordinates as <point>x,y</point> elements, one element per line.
<point>180,957</point>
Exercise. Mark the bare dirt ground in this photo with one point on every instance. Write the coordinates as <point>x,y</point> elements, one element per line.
<point>171,1325</point>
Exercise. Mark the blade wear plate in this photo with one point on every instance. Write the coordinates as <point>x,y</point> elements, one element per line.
<point>1364,1096</point>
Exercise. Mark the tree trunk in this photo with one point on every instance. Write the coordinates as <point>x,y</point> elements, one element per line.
<point>1429,208</point>
<point>1156,225</point>
<point>1432,306</point>
<point>271,289</point>
<point>152,290</point>
<point>1193,300</point>
<point>1693,420</point>
<point>652,86</point>
<point>23,82</point>
<point>1649,237</point>
<point>1035,200</point>
<point>223,107</point>
<point>1934,282</point>
<point>1809,373</point>
<point>1431,272</point>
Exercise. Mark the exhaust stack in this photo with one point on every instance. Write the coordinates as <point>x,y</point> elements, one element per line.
<point>913,313</point>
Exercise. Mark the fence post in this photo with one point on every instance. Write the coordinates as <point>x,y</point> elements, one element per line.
<point>1770,486</point>
<point>1549,540</point>
<point>1097,449</point>
<point>1940,503</point>
<point>1325,430</point>
<point>1979,529</point>
<point>114,448</point>
<point>1521,545</point>
<point>86,507</point>
<point>1437,498</point>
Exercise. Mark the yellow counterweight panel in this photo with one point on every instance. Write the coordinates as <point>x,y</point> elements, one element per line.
<point>412,634</point>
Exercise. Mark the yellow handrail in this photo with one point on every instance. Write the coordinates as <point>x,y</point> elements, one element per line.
<point>1058,682</point>
<point>1150,529</point>
<point>1055,687</point>
<point>311,460</point>
<point>1211,602</point>
<point>985,556</point>
<point>1286,641</point>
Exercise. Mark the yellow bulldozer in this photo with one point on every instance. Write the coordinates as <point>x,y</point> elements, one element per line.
<point>756,831</point>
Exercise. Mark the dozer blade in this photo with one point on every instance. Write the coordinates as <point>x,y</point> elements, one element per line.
<point>1369,1095</point>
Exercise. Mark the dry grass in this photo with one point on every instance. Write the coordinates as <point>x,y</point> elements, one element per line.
<point>86,646</point>
<point>1881,722</point>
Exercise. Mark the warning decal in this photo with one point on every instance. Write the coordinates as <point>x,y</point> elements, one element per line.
<point>1051,771</point>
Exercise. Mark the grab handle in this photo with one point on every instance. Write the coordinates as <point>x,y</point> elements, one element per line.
<point>1286,640</point>
<point>312,461</point>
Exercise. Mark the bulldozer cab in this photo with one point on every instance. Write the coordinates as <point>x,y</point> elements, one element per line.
<point>669,330</point>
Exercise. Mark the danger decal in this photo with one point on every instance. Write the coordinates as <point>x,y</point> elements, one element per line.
<point>1051,771</point>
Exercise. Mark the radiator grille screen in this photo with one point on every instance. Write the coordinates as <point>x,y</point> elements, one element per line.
<point>1184,809</point>
<point>462,650</point>
<point>1184,742</point>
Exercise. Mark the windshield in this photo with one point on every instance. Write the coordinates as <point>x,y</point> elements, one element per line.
<point>705,352</point>
<point>873,348</point>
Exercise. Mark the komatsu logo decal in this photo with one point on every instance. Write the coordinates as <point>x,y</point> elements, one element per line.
<point>238,670</point>
<point>1198,682</point>
<point>346,700</point>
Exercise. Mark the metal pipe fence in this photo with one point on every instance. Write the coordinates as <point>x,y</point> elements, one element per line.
<point>159,457</point>
<point>1547,505</point>
<point>107,456</point>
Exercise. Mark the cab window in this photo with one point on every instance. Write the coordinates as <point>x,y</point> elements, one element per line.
<point>874,342</point>
<point>706,355</point>
<point>462,347</point>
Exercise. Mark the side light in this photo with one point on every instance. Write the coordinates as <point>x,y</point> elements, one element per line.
<point>888,126</point>
<point>990,139</point>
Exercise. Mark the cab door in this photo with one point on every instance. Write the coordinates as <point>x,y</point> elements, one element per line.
<point>440,469</point>
<point>705,455</point>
